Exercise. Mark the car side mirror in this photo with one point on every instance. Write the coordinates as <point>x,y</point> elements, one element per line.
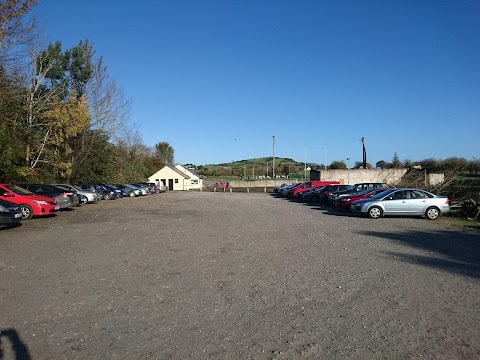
<point>7,195</point>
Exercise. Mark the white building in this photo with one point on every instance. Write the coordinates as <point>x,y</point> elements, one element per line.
<point>177,178</point>
<point>196,181</point>
<point>171,178</point>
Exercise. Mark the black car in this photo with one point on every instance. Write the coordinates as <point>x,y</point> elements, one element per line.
<point>10,213</point>
<point>65,198</point>
<point>118,192</point>
<point>322,194</point>
<point>311,196</point>
<point>354,189</point>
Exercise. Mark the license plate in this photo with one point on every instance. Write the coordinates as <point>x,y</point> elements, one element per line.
<point>57,207</point>
<point>17,216</point>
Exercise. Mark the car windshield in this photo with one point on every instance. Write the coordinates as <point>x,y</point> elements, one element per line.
<point>18,190</point>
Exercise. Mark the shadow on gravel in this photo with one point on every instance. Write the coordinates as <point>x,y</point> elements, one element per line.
<point>11,226</point>
<point>332,211</point>
<point>18,347</point>
<point>452,251</point>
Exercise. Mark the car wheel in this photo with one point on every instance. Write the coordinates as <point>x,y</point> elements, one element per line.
<point>375,212</point>
<point>432,213</point>
<point>132,194</point>
<point>106,196</point>
<point>27,212</point>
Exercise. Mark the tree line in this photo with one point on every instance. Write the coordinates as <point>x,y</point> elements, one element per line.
<point>62,116</point>
<point>286,166</point>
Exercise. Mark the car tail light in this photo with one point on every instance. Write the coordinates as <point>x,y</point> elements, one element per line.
<point>447,201</point>
<point>67,194</point>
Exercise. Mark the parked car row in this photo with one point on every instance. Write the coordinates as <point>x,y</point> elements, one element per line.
<point>297,190</point>
<point>24,201</point>
<point>373,200</point>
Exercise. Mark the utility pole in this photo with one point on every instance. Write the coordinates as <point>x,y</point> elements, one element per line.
<point>325,162</point>
<point>305,169</point>
<point>364,156</point>
<point>273,158</point>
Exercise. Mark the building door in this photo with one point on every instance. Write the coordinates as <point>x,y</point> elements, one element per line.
<point>170,184</point>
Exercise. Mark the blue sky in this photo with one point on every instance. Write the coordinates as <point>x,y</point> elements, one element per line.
<point>217,79</point>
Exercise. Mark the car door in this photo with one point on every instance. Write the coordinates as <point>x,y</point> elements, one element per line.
<point>396,203</point>
<point>417,202</point>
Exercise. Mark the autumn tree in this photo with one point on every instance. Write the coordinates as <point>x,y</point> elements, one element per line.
<point>55,113</point>
<point>66,120</point>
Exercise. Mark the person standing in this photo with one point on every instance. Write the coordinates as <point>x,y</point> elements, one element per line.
<point>224,186</point>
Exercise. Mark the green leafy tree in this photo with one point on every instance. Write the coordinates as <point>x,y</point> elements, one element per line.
<point>408,163</point>
<point>429,164</point>
<point>165,152</point>
<point>101,166</point>
<point>337,165</point>
<point>454,163</point>
<point>381,164</point>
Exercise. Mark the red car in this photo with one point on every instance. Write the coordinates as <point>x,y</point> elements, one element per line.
<point>307,185</point>
<point>30,204</point>
<point>345,201</point>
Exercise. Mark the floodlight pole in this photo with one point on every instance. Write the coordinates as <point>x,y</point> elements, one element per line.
<point>348,172</point>
<point>273,158</point>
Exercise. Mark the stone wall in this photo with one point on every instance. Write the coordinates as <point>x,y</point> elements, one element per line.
<point>351,176</point>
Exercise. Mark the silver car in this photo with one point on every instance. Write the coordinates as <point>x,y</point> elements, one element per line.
<point>89,195</point>
<point>403,202</point>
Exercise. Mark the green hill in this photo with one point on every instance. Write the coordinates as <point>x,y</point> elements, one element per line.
<point>251,167</point>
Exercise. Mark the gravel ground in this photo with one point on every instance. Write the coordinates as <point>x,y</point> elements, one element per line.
<point>205,275</point>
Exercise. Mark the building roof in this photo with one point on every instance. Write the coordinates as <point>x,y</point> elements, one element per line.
<point>178,171</point>
<point>190,171</point>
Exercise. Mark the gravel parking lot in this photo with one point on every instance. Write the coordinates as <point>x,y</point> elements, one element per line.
<point>206,275</point>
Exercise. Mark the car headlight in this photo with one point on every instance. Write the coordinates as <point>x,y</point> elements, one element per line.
<point>3,209</point>
<point>41,202</point>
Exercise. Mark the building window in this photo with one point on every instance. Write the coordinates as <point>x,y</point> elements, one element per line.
<point>176,181</point>
<point>195,182</point>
